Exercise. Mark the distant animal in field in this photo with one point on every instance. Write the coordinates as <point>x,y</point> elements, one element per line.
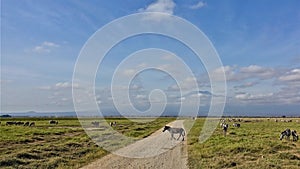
<point>113,123</point>
<point>10,123</point>
<point>238,125</point>
<point>26,124</point>
<point>32,124</point>
<point>286,133</point>
<point>225,128</point>
<point>222,124</point>
<point>173,131</point>
<point>295,135</point>
<point>95,123</point>
<point>53,122</point>
<point>19,123</point>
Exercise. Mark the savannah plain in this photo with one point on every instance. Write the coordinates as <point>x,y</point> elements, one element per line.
<point>255,144</point>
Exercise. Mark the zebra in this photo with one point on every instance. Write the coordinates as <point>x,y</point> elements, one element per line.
<point>113,123</point>
<point>287,133</point>
<point>225,127</point>
<point>175,131</point>
<point>295,135</point>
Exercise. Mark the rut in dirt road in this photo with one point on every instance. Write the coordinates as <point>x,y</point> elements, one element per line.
<point>155,151</point>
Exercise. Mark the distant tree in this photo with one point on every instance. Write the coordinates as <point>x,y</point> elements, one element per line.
<point>5,115</point>
<point>283,116</point>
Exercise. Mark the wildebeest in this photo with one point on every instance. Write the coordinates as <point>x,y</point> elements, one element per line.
<point>27,123</point>
<point>19,123</point>
<point>286,133</point>
<point>95,123</point>
<point>32,124</point>
<point>53,122</point>
<point>295,135</point>
<point>10,123</point>
<point>175,131</point>
<point>238,125</point>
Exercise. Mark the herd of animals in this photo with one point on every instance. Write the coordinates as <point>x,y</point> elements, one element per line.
<point>30,124</point>
<point>286,133</point>
<point>96,123</point>
<point>223,124</point>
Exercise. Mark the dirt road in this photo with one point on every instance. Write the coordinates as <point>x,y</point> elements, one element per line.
<point>156,151</point>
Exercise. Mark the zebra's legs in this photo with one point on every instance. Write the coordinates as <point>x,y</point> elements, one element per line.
<point>172,136</point>
<point>179,136</point>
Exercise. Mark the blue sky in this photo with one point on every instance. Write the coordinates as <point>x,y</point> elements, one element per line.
<point>257,41</point>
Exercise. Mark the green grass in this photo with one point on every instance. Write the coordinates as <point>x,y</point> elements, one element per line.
<point>255,145</point>
<point>65,145</point>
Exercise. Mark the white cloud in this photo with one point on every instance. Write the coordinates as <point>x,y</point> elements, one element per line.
<point>129,72</point>
<point>248,96</point>
<point>235,73</point>
<point>45,47</point>
<point>198,5</point>
<point>60,85</point>
<point>246,85</point>
<point>140,96</point>
<point>291,76</point>
<point>163,6</point>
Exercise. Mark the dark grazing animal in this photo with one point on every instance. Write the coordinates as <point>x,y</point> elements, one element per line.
<point>286,133</point>
<point>27,123</point>
<point>32,124</point>
<point>53,122</point>
<point>10,123</point>
<point>19,123</point>
<point>173,131</point>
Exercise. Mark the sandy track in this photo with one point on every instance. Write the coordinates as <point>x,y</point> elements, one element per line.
<point>155,151</point>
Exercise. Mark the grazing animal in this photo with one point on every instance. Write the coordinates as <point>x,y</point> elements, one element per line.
<point>27,123</point>
<point>238,125</point>
<point>32,124</point>
<point>10,123</point>
<point>19,123</point>
<point>53,122</point>
<point>113,123</point>
<point>286,133</point>
<point>295,135</point>
<point>95,123</point>
<point>225,128</point>
<point>175,131</point>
